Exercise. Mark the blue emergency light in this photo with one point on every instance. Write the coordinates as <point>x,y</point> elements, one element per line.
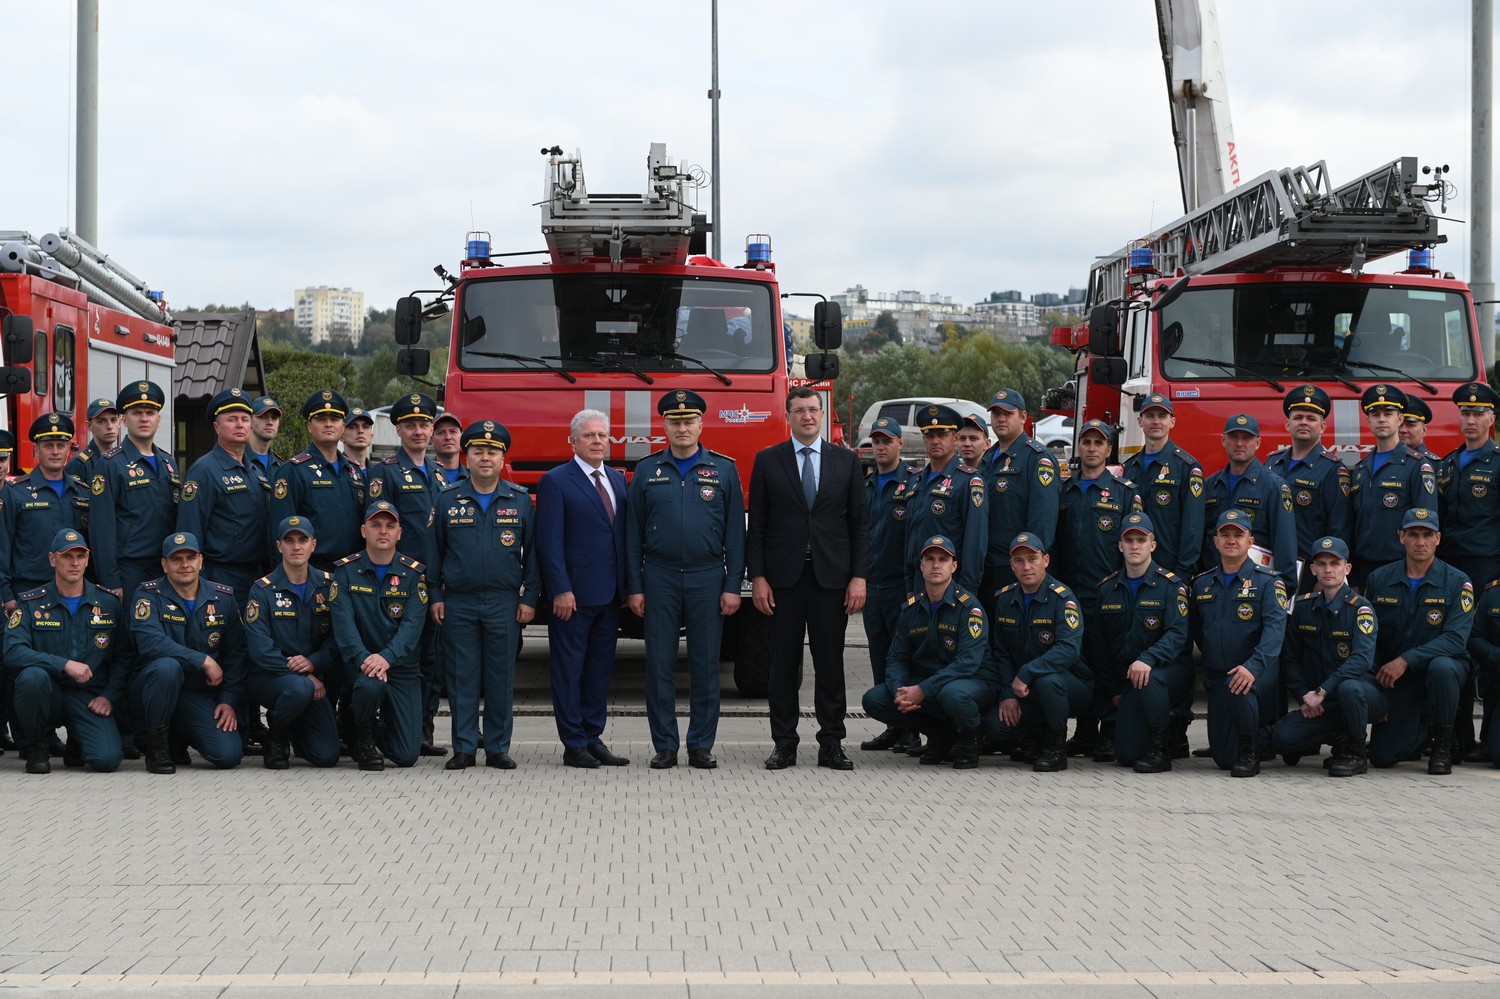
<point>156,296</point>
<point>758,248</point>
<point>1419,260</point>
<point>1142,260</point>
<point>477,246</point>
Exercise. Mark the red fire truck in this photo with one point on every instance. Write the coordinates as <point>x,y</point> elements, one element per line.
<point>1264,288</point>
<point>76,326</point>
<point>626,308</point>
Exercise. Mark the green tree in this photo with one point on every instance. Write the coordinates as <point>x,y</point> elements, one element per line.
<point>293,374</point>
<point>884,330</point>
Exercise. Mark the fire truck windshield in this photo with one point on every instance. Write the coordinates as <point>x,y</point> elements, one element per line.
<point>1332,329</point>
<point>635,322</point>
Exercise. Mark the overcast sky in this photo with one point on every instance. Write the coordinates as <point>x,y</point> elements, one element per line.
<point>955,147</point>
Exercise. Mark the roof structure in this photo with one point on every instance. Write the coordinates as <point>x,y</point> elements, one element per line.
<point>215,351</point>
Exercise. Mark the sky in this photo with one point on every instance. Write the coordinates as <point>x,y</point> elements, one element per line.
<point>952,147</point>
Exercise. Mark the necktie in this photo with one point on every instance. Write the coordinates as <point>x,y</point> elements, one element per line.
<point>609,510</point>
<point>809,483</point>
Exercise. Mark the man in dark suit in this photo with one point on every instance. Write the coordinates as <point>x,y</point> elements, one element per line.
<point>807,550</point>
<point>580,536</point>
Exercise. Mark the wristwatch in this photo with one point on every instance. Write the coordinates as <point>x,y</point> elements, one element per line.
<point>1321,693</point>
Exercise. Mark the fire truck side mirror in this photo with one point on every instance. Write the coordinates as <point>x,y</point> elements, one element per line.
<point>18,334</point>
<point>1104,328</point>
<point>1173,292</point>
<point>828,326</point>
<point>413,361</point>
<point>822,367</point>
<point>15,381</point>
<point>1107,370</point>
<point>408,320</point>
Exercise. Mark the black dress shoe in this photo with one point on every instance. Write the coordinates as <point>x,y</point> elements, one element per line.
<point>600,752</point>
<point>460,761</point>
<point>576,757</point>
<point>701,759</point>
<point>833,758</point>
<point>428,749</point>
<point>664,760</point>
<point>782,757</point>
<point>500,761</point>
<point>884,741</point>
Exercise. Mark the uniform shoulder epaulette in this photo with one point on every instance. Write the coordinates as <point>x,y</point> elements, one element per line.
<point>411,563</point>
<point>963,596</point>
<point>347,559</point>
<point>112,452</point>
<point>1038,446</point>
<point>392,460</point>
<point>1260,568</point>
<point>1354,598</point>
<point>966,469</point>
<point>1110,578</point>
<point>1331,456</point>
<point>1059,589</point>
<point>221,587</point>
<point>1168,573</point>
<point>83,455</point>
<point>1278,453</point>
<point>322,575</point>
<point>301,458</point>
<point>519,488</point>
<point>1008,587</point>
<point>911,600</point>
<point>262,581</point>
<point>154,585</point>
<point>719,454</point>
<point>31,594</point>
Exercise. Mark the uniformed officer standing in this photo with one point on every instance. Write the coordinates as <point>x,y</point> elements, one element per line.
<point>1137,639</point>
<point>1387,483</point>
<point>1484,652</point>
<point>1319,479</point>
<point>485,586</point>
<point>886,488</point>
<point>684,560</point>
<point>225,500</point>
<point>359,434</point>
<point>947,498</point>
<point>34,508</point>
<point>410,481</point>
<point>447,449</point>
<point>60,641</point>
<point>1023,486</point>
<point>190,675</point>
<point>939,678</point>
<point>265,424</point>
<point>1036,647</point>
<point>973,439</point>
<point>293,659</point>
<point>379,602</point>
<point>1238,621</point>
<point>1425,609</point>
<point>1247,485</point>
<point>321,485</point>
<point>1328,662</point>
<point>133,495</point>
<point>1415,420</point>
<point>1170,484</point>
<point>104,434</point>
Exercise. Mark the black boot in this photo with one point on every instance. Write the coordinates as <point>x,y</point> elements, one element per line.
<point>1440,763</point>
<point>1085,737</point>
<point>1104,752</point>
<point>1351,757</point>
<point>910,743</point>
<point>254,734</point>
<point>965,754</point>
<point>73,752</point>
<point>1052,755</point>
<point>939,743</point>
<point>884,741</point>
<point>365,753</point>
<point>1178,740</point>
<point>278,751</point>
<point>1156,759</point>
<point>428,748</point>
<point>158,751</point>
<point>178,747</point>
<point>36,753</point>
<point>1248,763</point>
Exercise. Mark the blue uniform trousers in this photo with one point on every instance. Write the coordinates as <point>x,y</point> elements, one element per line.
<point>393,707</point>
<point>41,706</point>
<point>239,576</point>
<point>1232,715</point>
<point>159,699</point>
<point>682,599</point>
<point>1352,707</point>
<point>434,668</point>
<point>882,607</point>
<point>962,705</point>
<point>1150,707</point>
<point>289,702</point>
<point>1053,697</point>
<point>583,660</point>
<point>1489,730</point>
<point>133,572</point>
<point>479,658</point>
<point>1421,696</point>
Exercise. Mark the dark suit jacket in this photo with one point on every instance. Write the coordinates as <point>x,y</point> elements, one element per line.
<point>580,550</point>
<point>782,528</point>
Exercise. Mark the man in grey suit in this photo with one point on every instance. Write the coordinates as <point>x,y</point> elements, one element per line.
<point>807,552</point>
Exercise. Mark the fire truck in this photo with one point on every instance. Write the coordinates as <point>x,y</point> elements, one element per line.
<point>627,307</point>
<point>1264,288</point>
<point>76,326</point>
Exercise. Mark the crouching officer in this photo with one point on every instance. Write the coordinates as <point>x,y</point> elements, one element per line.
<point>60,641</point>
<point>379,604</point>
<point>1238,622</point>
<point>1137,639</point>
<point>293,658</point>
<point>938,677</point>
<point>190,673</point>
<point>1036,648</point>
<point>1425,609</point>
<point>486,582</point>
<point>1328,662</point>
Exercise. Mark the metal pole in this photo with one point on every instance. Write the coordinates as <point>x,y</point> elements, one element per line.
<point>1190,171</point>
<point>1481,211</point>
<point>713,96</point>
<point>87,167</point>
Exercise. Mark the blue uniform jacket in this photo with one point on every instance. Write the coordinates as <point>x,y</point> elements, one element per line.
<point>226,504</point>
<point>1243,624</point>
<point>333,499</point>
<point>1028,642</point>
<point>949,502</point>
<point>41,632</point>
<point>1022,492</point>
<point>697,522</point>
<point>1088,530</point>
<point>279,624</point>
<point>1328,642</point>
<point>1405,482</point>
<point>413,490</point>
<point>888,526</point>
<point>1320,487</point>
<point>1435,621</point>
<point>1151,627</point>
<point>479,553</point>
<point>933,649</point>
<point>379,617</point>
<point>1171,491</point>
<point>31,512</point>
<point>132,507</point>
<point>1470,502</point>
<point>164,628</point>
<point>1261,494</point>
<point>1484,639</point>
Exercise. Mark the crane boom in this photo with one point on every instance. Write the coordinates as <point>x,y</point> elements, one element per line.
<point>1198,94</point>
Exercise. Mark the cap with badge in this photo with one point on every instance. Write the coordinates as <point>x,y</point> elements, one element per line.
<point>66,540</point>
<point>359,414</point>
<point>1307,397</point>
<point>180,542</point>
<point>417,406</point>
<point>294,525</point>
<point>1418,410</point>
<point>485,432</point>
<point>325,402</point>
<point>141,394</point>
<point>936,419</point>
<point>1096,426</point>
<point>1420,517</point>
<point>1007,398</point>
<point>1476,395</point>
<point>1028,540</point>
<point>98,407</point>
<point>1238,519</point>
<point>52,427</point>
<point>7,443</point>
<point>263,405</point>
<point>973,421</point>
<point>230,400</point>
<point>886,427</point>
<point>1242,423</point>
<point>1330,546</point>
<point>1153,401</point>
<point>942,543</point>
<point>1138,522</point>
<point>446,417</point>
<point>681,405</point>
<point>1382,395</point>
<point>381,506</point>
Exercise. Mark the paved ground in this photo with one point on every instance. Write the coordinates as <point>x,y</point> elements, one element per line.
<point>895,880</point>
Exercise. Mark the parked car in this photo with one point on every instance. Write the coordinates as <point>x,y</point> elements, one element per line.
<point>1056,432</point>
<point>903,412</point>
